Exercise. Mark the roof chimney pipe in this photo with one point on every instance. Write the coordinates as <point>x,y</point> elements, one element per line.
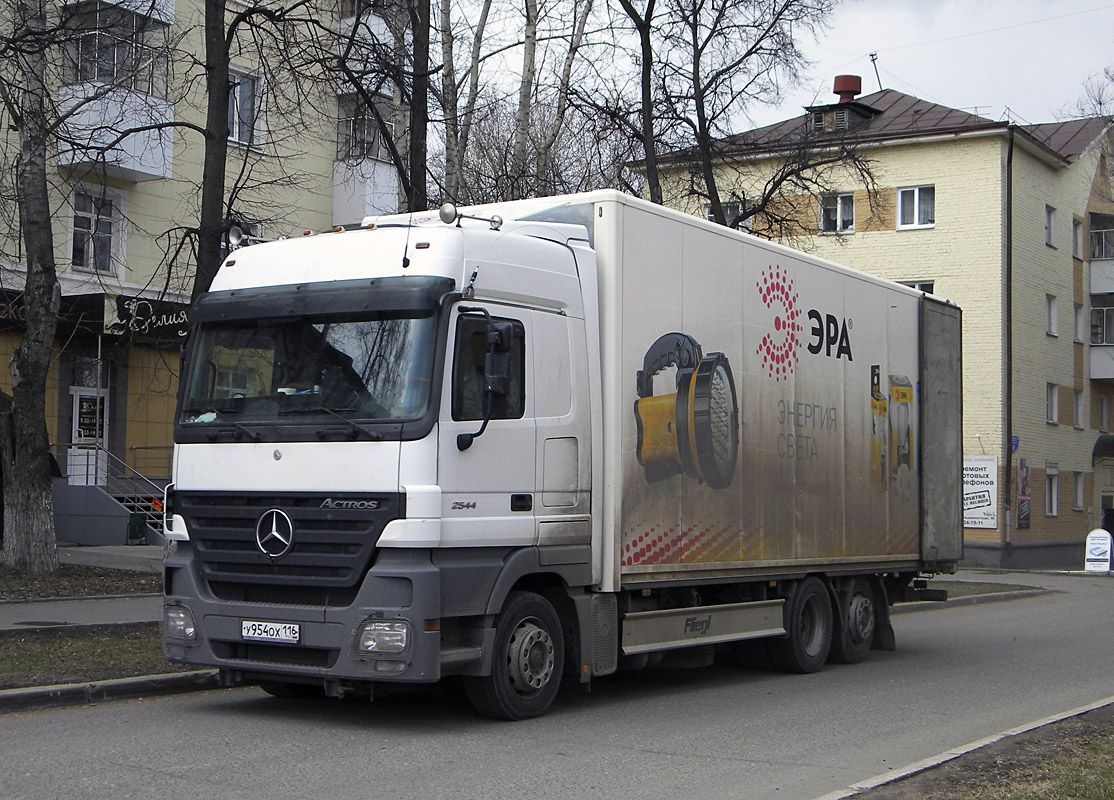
<point>847,87</point>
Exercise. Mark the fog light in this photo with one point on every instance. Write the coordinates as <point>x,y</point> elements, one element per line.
<point>390,666</point>
<point>377,636</point>
<point>178,624</point>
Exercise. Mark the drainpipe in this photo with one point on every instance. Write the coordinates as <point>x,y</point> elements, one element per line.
<point>1007,378</point>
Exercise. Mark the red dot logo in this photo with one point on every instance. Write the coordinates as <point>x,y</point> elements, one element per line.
<point>779,348</point>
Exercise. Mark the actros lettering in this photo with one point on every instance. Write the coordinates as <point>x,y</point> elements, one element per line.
<point>828,332</point>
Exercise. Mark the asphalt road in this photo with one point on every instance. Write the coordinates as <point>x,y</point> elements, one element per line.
<point>722,732</point>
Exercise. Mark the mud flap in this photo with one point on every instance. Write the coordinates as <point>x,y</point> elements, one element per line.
<point>884,638</point>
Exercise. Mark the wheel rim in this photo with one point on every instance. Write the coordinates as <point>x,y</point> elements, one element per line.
<point>530,657</point>
<point>860,618</point>
<point>812,629</point>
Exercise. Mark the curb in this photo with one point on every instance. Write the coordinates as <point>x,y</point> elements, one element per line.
<point>80,598</point>
<point>75,694</point>
<point>969,600</point>
<point>917,767</point>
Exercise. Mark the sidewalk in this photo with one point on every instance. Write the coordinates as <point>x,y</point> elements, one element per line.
<point>68,612</point>
<point>74,612</point>
<point>138,558</point>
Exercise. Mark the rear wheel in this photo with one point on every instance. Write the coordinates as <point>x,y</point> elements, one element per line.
<point>527,664</point>
<point>854,632</point>
<point>808,618</point>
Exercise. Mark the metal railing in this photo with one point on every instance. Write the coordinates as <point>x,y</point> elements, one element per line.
<point>153,461</point>
<point>93,465</point>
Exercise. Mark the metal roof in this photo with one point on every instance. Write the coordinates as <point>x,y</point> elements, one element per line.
<point>891,115</point>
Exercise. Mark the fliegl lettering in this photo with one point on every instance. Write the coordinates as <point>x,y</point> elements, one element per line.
<point>829,332</point>
<point>698,626</point>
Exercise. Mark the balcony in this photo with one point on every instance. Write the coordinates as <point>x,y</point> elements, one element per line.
<point>98,124</point>
<point>1102,362</point>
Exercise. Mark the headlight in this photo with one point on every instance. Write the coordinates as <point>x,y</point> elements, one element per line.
<point>178,623</point>
<point>376,637</point>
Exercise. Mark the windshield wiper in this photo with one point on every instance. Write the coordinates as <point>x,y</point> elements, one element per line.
<point>223,417</point>
<point>356,427</point>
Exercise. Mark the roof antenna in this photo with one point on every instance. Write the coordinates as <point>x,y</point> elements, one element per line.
<point>409,225</point>
<point>874,61</point>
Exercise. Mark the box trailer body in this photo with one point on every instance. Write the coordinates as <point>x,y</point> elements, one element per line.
<point>548,439</point>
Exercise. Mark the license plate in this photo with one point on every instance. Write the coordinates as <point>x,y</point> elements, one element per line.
<point>288,632</point>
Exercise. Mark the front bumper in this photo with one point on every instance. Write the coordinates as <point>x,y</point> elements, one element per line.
<point>402,585</point>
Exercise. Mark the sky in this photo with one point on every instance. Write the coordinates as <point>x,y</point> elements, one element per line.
<point>1031,57</point>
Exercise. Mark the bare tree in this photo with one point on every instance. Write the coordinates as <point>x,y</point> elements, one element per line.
<point>24,443</point>
<point>721,55</point>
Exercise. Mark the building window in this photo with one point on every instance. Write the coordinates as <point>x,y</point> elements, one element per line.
<point>1077,323</point>
<point>115,46</point>
<point>1077,498</point>
<point>732,210</point>
<point>916,207</point>
<point>1051,490</point>
<point>839,119</point>
<point>358,133</point>
<point>1050,314</point>
<point>1104,413</point>
<point>1077,409</point>
<point>1077,238</point>
<point>94,216</point>
<point>357,8</point>
<point>1050,226</point>
<point>243,107</point>
<point>921,286</point>
<point>1102,236</point>
<point>1051,403</point>
<point>837,213</point>
<point>1102,326</point>
<point>818,120</point>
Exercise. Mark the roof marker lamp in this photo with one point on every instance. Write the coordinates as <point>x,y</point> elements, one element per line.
<point>694,430</point>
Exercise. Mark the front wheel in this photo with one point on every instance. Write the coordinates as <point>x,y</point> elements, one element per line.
<point>808,622</point>
<point>527,664</point>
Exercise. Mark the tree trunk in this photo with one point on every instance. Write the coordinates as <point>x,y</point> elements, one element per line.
<point>643,24</point>
<point>449,102</point>
<point>419,105</point>
<point>545,149</point>
<point>525,99</point>
<point>210,232</point>
<point>29,543</point>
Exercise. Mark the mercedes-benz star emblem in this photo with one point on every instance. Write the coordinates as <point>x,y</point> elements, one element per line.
<point>274,533</point>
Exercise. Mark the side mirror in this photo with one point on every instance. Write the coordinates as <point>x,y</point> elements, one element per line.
<point>497,374</point>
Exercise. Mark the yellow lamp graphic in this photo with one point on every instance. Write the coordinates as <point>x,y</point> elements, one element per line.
<point>694,430</point>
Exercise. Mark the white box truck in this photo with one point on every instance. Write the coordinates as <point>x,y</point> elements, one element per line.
<point>537,442</point>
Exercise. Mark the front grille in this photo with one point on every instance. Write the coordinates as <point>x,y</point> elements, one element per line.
<point>332,547</point>
<point>291,655</point>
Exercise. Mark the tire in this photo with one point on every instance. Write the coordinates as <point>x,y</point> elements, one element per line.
<point>291,690</point>
<point>854,630</point>
<point>808,621</point>
<point>527,663</point>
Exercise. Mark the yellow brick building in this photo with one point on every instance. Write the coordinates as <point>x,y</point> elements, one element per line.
<point>1009,222</point>
<point>122,201</point>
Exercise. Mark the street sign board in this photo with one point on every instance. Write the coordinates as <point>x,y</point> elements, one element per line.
<point>1097,551</point>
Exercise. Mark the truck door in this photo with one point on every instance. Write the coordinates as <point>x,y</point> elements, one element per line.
<point>487,490</point>
<point>563,430</point>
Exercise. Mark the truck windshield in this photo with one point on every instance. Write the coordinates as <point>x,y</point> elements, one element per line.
<point>366,366</point>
